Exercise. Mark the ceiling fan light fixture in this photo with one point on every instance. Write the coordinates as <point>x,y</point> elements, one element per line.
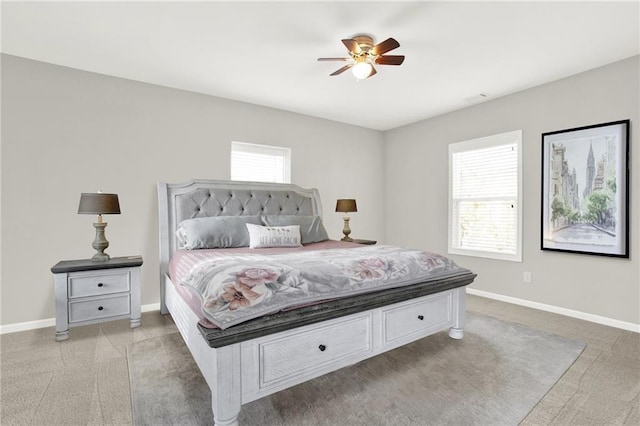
<point>363,54</point>
<point>362,70</point>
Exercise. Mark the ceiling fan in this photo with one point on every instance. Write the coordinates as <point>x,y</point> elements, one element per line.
<point>363,54</point>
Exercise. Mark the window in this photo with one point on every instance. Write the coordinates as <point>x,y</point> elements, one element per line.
<point>260,163</point>
<point>485,186</point>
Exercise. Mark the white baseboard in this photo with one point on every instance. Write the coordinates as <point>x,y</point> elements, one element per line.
<point>150,307</point>
<point>30,325</point>
<point>558,310</point>
<point>51,322</point>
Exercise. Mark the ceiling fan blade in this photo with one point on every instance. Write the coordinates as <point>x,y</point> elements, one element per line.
<point>341,70</point>
<point>385,46</point>
<point>352,46</point>
<point>334,59</point>
<point>390,60</point>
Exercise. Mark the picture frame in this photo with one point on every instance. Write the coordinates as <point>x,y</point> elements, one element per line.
<point>585,190</point>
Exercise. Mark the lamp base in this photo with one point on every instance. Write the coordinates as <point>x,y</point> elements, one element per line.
<point>100,257</point>
<point>347,230</point>
<point>100,243</point>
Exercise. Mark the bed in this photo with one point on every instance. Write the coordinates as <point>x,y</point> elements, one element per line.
<point>264,355</point>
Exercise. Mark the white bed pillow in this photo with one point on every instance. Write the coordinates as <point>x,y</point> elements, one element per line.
<point>273,236</point>
<point>311,228</point>
<point>215,232</point>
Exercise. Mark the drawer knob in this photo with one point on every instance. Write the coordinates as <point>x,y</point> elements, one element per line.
<point>421,317</point>
<point>100,308</point>
<point>100,284</point>
<point>322,348</point>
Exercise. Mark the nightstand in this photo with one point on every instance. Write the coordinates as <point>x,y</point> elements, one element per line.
<point>89,292</point>
<point>367,242</point>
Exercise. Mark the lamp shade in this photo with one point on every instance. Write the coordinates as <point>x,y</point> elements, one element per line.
<point>346,206</point>
<point>98,203</point>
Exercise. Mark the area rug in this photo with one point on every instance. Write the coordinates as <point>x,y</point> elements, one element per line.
<point>494,376</point>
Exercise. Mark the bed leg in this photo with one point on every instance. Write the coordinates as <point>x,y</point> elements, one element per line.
<point>163,308</point>
<point>163,297</point>
<point>226,394</point>
<point>230,422</point>
<point>457,331</point>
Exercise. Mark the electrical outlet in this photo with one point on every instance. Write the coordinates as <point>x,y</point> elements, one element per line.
<point>526,277</point>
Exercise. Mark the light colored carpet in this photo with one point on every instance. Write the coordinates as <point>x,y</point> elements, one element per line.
<point>495,375</point>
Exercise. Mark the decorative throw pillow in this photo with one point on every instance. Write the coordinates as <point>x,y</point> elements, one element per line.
<point>273,236</point>
<point>215,232</point>
<point>311,228</point>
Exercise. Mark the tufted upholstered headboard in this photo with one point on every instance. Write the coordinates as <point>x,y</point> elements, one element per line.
<point>203,198</point>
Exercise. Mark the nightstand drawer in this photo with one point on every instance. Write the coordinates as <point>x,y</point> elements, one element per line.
<point>87,310</point>
<point>98,283</point>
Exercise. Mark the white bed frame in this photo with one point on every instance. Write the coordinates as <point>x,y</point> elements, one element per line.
<point>242,372</point>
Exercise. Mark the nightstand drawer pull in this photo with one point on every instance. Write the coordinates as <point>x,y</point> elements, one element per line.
<point>322,348</point>
<point>100,284</point>
<point>100,308</point>
<point>421,317</point>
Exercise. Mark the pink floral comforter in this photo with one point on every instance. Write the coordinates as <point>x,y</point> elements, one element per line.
<point>238,288</point>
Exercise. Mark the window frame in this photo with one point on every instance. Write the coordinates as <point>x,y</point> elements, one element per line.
<point>263,149</point>
<point>512,137</point>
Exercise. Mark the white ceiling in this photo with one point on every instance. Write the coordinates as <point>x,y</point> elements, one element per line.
<point>265,52</point>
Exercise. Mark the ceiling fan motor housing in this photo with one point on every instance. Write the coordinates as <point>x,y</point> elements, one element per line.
<point>365,42</point>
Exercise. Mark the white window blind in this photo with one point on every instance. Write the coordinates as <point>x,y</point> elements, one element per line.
<point>260,163</point>
<point>485,212</point>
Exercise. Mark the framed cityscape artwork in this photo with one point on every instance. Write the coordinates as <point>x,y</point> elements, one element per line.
<point>585,190</point>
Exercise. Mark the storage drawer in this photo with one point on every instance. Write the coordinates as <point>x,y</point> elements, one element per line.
<point>408,319</point>
<point>98,283</point>
<point>318,349</point>
<point>96,308</point>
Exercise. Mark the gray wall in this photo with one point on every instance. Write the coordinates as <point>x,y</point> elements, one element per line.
<point>66,131</point>
<point>416,190</point>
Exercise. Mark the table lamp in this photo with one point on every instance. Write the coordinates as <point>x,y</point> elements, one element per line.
<point>346,206</point>
<point>99,203</point>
